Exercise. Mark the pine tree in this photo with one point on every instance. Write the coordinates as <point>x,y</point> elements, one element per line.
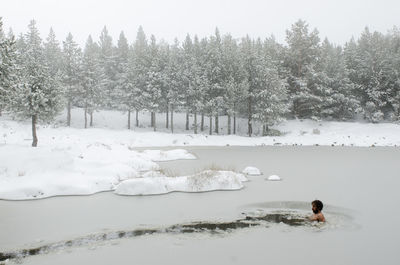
<point>188,74</point>
<point>107,62</point>
<point>234,80</point>
<point>124,98</point>
<point>154,81</point>
<point>248,58</point>
<point>91,72</point>
<point>338,91</point>
<point>53,54</point>
<point>175,81</point>
<point>138,70</point>
<point>8,67</point>
<point>38,96</point>
<point>204,83</point>
<point>71,62</point>
<point>215,76</point>
<point>371,70</point>
<point>301,57</point>
<point>197,88</point>
<point>394,61</point>
<point>164,57</point>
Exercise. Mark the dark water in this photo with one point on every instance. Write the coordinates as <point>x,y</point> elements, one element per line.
<point>288,218</point>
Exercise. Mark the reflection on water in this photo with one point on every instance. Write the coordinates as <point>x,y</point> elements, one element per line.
<point>291,214</point>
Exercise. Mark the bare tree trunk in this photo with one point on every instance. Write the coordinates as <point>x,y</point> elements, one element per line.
<point>129,119</point>
<point>216,124</point>
<point>249,123</point>
<point>202,122</point>
<point>195,123</point>
<point>69,113</point>
<point>91,118</point>
<point>34,135</point>
<point>154,121</point>
<point>137,118</point>
<point>172,119</point>
<point>0,113</point>
<point>187,120</point>
<point>234,123</point>
<point>229,124</point>
<point>85,113</point>
<point>167,117</point>
<point>210,124</point>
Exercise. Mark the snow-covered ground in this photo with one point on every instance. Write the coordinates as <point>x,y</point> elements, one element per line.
<point>75,161</point>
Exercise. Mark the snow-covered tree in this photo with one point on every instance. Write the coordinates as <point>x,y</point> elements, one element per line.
<point>233,79</point>
<point>53,54</point>
<point>71,62</point>
<point>188,75</point>
<point>124,87</point>
<point>107,63</point>
<point>301,57</point>
<point>249,62</point>
<point>339,101</point>
<point>91,72</point>
<point>371,68</point>
<point>38,96</point>
<point>138,70</point>
<point>175,80</point>
<point>154,81</point>
<point>215,75</point>
<point>8,67</point>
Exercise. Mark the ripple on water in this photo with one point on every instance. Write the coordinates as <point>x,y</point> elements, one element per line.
<point>292,214</point>
<point>296,213</point>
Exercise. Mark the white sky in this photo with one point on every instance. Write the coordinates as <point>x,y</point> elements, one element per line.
<point>338,20</point>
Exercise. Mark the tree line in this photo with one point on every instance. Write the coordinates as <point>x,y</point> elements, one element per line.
<point>260,80</point>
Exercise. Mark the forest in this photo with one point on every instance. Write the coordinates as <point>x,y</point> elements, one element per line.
<point>260,80</point>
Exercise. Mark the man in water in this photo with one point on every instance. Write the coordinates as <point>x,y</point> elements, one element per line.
<point>317,206</point>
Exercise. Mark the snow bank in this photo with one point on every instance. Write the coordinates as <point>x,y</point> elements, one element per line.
<point>208,180</point>
<point>80,169</point>
<point>252,171</point>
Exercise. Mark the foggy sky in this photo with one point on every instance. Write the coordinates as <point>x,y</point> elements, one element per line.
<point>338,20</point>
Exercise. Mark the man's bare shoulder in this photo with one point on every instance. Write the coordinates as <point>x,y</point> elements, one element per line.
<point>318,217</point>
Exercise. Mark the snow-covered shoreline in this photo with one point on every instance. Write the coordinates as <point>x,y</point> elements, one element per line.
<point>75,161</point>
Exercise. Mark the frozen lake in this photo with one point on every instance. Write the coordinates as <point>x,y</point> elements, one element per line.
<point>359,187</point>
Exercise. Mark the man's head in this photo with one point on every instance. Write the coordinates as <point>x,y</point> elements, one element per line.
<point>317,206</point>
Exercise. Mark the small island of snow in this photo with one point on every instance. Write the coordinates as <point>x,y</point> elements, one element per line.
<point>208,180</point>
<point>274,178</point>
<point>251,171</point>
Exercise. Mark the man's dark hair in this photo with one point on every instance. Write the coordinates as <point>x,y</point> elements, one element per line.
<point>318,204</point>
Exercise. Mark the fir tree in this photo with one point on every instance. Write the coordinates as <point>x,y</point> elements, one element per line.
<point>53,54</point>
<point>91,93</point>
<point>138,70</point>
<point>8,68</point>
<point>38,96</point>
<point>175,81</point>
<point>124,85</point>
<point>154,81</point>
<point>107,62</point>
<point>301,57</point>
<point>71,62</point>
